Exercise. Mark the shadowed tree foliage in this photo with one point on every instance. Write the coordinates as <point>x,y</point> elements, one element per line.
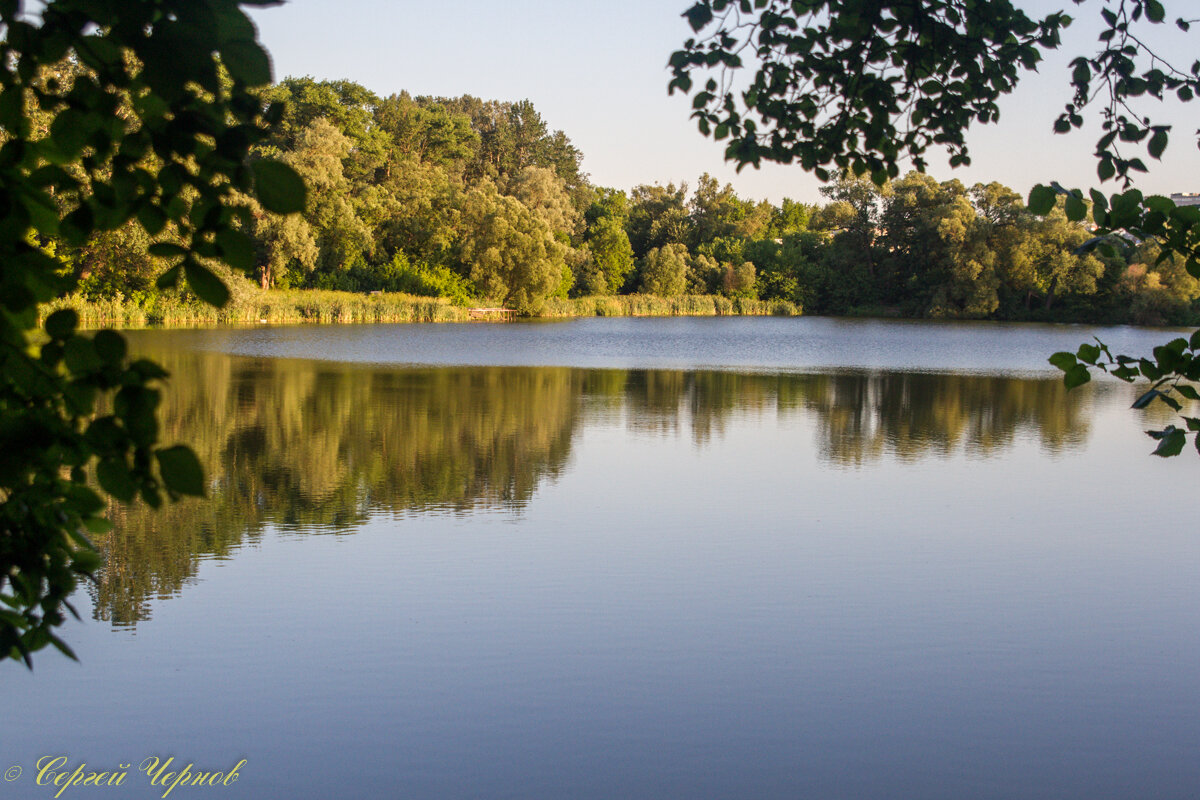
<point>113,116</point>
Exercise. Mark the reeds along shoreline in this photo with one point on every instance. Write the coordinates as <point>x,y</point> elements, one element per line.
<point>283,307</point>
<point>645,305</point>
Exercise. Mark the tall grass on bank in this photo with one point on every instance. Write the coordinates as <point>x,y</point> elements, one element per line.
<point>645,305</point>
<point>291,306</point>
<point>284,306</point>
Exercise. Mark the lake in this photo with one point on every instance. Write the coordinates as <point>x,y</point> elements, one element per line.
<point>641,558</point>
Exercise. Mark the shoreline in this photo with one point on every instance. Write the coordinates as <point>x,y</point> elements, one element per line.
<point>318,307</point>
<point>310,306</point>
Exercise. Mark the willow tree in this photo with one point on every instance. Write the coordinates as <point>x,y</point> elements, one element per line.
<point>664,270</point>
<point>509,251</point>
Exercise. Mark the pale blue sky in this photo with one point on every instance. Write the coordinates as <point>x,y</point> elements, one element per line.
<point>597,71</point>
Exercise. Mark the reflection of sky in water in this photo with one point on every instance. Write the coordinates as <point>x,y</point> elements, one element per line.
<point>703,595</point>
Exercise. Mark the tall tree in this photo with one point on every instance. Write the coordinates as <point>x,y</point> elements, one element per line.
<point>348,106</point>
<point>658,216</point>
<point>508,251</point>
<point>430,132</point>
<point>664,270</point>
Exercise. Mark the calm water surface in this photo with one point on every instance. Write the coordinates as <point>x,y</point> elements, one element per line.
<point>725,558</point>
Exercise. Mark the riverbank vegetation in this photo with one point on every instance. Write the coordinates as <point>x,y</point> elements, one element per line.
<point>467,202</point>
<point>250,305</point>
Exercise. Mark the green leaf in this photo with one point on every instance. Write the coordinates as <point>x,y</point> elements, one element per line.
<point>1188,391</point>
<point>58,643</point>
<point>110,346</point>
<point>84,499</point>
<point>698,16</point>
<point>12,109</point>
<point>69,132</point>
<point>1149,369</point>
<point>181,470</point>
<point>1063,360</point>
<point>247,62</point>
<point>43,211</point>
<point>1171,444</point>
<point>147,369</point>
<point>278,187</point>
<point>166,250</point>
<point>114,478</point>
<point>1088,353</point>
<point>207,286</point>
<point>1158,143</point>
<point>62,324</point>
<point>80,356</point>
<point>1041,200</point>
<point>86,560</point>
<point>152,219</point>
<point>1075,208</point>
<point>1076,376</point>
<point>1156,202</point>
<point>237,249</point>
<point>169,278</point>
<point>97,525</point>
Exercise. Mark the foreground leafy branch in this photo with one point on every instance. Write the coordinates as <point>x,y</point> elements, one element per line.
<point>110,112</point>
<point>1175,365</point>
<point>1173,370</point>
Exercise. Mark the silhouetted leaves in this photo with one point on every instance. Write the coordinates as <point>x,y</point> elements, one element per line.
<point>181,470</point>
<point>113,88</point>
<point>278,187</point>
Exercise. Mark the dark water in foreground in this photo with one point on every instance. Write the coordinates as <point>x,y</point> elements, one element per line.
<point>641,559</point>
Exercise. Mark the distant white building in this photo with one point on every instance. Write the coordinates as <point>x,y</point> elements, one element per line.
<point>1188,199</point>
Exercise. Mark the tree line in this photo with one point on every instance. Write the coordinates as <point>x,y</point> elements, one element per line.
<point>481,202</point>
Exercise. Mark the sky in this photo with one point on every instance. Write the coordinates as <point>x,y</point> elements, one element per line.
<point>597,71</point>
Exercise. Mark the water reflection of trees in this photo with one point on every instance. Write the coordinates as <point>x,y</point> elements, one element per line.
<point>318,447</point>
<point>912,416</point>
<point>864,417</point>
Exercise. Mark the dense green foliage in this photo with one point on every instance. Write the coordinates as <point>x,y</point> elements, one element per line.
<point>475,201</point>
<point>125,137</point>
<point>855,86</point>
<point>480,203</point>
